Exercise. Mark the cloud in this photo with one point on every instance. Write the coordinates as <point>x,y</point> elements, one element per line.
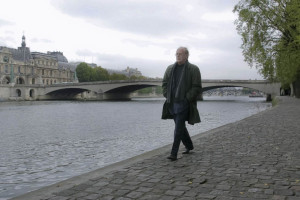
<point>7,40</point>
<point>5,23</point>
<point>219,16</point>
<point>150,68</point>
<point>153,18</point>
<point>40,40</point>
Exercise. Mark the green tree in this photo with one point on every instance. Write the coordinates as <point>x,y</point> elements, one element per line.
<point>116,76</point>
<point>270,31</point>
<point>146,90</point>
<point>133,77</point>
<point>158,90</point>
<point>84,72</point>
<point>100,74</point>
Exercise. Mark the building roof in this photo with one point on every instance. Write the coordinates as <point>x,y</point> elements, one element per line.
<point>43,55</point>
<point>59,55</point>
<point>66,65</point>
<point>20,54</point>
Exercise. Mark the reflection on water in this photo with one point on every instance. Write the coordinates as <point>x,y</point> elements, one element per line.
<point>46,142</point>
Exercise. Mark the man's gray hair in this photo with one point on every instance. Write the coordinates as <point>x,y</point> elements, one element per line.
<point>186,50</point>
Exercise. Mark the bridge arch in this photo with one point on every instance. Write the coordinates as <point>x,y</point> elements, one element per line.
<point>66,93</point>
<point>128,88</point>
<point>204,89</point>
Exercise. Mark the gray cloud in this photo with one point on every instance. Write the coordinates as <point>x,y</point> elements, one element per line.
<point>181,23</point>
<point>158,19</point>
<point>215,5</point>
<point>143,17</point>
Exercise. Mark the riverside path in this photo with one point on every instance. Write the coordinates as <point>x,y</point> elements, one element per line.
<point>255,158</point>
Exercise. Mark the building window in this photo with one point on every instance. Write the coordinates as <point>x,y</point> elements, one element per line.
<point>6,68</point>
<point>32,70</point>
<point>47,82</point>
<point>43,72</point>
<point>19,69</point>
<point>50,73</point>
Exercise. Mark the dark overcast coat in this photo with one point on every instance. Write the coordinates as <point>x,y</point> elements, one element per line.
<point>192,87</point>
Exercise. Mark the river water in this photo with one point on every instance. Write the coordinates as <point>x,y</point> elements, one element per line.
<point>45,142</point>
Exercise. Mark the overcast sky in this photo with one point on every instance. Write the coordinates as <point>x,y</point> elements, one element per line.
<point>141,34</point>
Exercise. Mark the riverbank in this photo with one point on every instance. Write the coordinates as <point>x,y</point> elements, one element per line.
<point>257,157</point>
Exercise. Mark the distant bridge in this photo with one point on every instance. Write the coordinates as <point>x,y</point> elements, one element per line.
<point>122,89</point>
<point>109,90</point>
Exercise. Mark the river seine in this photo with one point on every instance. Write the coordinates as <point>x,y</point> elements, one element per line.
<point>49,141</point>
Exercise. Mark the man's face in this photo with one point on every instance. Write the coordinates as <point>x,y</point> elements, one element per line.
<point>181,56</point>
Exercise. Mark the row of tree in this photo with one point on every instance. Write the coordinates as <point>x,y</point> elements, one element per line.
<point>85,73</point>
<point>270,31</point>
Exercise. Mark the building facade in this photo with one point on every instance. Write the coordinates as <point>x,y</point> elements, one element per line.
<point>20,66</point>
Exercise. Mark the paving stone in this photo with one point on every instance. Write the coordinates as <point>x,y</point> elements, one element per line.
<point>255,190</point>
<point>92,196</point>
<point>107,198</point>
<point>277,197</point>
<point>174,192</point>
<point>293,198</point>
<point>223,187</point>
<point>121,192</point>
<point>206,196</point>
<point>151,197</point>
<point>144,189</point>
<point>269,191</point>
<point>134,194</point>
<point>284,192</point>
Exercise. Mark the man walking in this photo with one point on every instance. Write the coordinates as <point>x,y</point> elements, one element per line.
<point>181,85</point>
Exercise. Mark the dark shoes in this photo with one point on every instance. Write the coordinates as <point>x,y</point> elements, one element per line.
<point>172,158</point>
<point>187,151</point>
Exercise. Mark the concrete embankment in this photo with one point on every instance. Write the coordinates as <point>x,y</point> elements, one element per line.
<point>255,158</point>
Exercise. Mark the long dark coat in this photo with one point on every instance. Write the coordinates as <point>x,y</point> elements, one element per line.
<point>192,88</point>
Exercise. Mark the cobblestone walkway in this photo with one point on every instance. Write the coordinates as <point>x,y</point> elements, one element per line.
<point>256,158</point>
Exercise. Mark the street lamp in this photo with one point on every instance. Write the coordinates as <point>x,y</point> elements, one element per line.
<point>12,74</point>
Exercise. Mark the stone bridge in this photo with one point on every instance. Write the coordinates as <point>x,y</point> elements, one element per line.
<point>118,90</point>
<point>109,90</point>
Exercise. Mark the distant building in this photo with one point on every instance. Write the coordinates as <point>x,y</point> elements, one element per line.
<point>75,64</point>
<point>127,72</point>
<point>20,66</point>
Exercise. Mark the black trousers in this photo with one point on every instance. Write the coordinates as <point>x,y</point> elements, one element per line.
<point>181,133</point>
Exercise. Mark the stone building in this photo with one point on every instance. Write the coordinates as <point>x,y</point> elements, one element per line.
<point>127,72</point>
<point>20,66</point>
